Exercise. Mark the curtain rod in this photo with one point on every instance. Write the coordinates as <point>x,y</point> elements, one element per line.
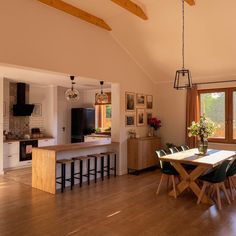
<point>216,82</point>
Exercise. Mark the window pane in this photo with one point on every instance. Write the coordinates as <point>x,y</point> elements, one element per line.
<point>213,106</point>
<point>234,115</point>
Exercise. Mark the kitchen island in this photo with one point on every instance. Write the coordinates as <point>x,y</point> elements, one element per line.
<point>44,167</point>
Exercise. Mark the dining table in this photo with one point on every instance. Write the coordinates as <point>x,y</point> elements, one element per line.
<point>201,164</point>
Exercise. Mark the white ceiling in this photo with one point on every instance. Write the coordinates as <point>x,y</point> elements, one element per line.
<point>45,78</point>
<point>155,44</point>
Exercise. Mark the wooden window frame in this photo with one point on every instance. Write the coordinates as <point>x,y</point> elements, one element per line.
<point>228,113</point>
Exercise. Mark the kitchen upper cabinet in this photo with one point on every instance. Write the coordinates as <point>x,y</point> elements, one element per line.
<point>46,142</point>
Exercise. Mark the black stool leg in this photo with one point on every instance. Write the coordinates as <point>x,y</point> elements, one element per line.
<point>115,165</point>
<point>72,175</point>
<point>108,166</point>
<point>88,171</point>
<point>95,167</point>
<point>81,173</point>
<point>63,176</point>
<point>102,168</point>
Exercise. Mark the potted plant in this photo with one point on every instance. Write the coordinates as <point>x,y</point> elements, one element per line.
<point>203,130</point>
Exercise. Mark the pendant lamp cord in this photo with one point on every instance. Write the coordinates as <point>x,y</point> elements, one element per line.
<point>183,33</point>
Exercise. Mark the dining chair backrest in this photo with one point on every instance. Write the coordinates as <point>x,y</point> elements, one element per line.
<point>232,169</point>
<point>173,150</point>
<point>220,172</point>
<point>160,153</point>
<point>184,147</point>
<point>165,165</point>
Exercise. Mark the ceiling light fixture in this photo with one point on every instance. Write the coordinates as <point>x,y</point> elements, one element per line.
<point>72,94</point>
<point>183,78</point>
<point>101,97</point>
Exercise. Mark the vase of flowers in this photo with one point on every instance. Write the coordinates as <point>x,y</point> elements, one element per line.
<point>203,130</point>
<point>154,124</point>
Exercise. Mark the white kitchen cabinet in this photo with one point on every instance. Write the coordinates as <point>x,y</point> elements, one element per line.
<point>46,142</point>
<point>92,139</point>
<point>11,152</point>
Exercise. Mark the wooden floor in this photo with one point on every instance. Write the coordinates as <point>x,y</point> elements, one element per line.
<point>125,205</point>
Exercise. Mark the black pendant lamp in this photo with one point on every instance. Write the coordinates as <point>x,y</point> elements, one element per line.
<point>183,78</point>
<point>101,97</point>
<point>72,94</point>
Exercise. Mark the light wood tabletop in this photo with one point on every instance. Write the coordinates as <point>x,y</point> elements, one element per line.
<point>202,163</point>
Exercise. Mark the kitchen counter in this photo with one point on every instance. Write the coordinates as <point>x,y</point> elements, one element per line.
<point>75,146</point>
<point>44,167</point>
<point>98,135</point>
<point>22,139</point>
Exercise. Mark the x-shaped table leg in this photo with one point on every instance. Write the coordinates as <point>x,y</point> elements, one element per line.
<point>188,180</point>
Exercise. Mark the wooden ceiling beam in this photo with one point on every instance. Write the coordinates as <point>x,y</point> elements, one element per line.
<point>74,11</point>
<point>131,7</point>
<point>190,2</point>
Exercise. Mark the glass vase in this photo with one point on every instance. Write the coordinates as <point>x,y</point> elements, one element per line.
<point>202,147</point>
<point>150,131</point>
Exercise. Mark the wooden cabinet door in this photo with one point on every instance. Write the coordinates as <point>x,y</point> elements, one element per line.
<point>149,158</point>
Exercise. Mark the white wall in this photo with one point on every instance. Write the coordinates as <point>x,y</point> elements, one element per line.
<point>39,95</point>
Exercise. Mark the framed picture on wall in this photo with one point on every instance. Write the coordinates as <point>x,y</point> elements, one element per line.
<point>129,101</point>
<point>140,117</point>
<point>37,109</point>
<point>149,101</point>
<point>140,100</point>
<point>149,116</point>
<point>130,120</point>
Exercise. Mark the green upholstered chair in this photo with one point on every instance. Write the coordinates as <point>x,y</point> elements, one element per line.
<point>167,170</point>
<point>214,181</point>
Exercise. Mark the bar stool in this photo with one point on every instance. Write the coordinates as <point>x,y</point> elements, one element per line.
<point>81,159</point>
<point>108,168</point>
<point>80,173</point>
<point>96,156</point>
<point>63,179</point>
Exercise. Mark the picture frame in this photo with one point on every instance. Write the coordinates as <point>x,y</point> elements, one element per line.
<point>149,101</point>
<point>130,120</point>
<point>148,116</point>
<point>37,109</point>
<point>140,116</point>
<point>130,102</point>
<point>140,100</point>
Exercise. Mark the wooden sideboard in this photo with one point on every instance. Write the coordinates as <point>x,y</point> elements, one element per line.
<point>141,152</point>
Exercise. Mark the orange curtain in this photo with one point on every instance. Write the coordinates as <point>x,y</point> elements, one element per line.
<point>192,113</point>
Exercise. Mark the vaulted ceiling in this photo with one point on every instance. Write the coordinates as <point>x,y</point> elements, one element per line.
<point>155,44</point>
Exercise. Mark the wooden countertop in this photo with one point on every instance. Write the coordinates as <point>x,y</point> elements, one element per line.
<point>18,140</point>
<point>76,146</point>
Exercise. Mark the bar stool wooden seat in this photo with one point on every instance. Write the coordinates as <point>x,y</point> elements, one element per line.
<point>63,178</point>
<point>108,168</point>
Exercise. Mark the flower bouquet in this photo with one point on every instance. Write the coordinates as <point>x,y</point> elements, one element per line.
<point>154,124</point>
<point>203,130</point>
